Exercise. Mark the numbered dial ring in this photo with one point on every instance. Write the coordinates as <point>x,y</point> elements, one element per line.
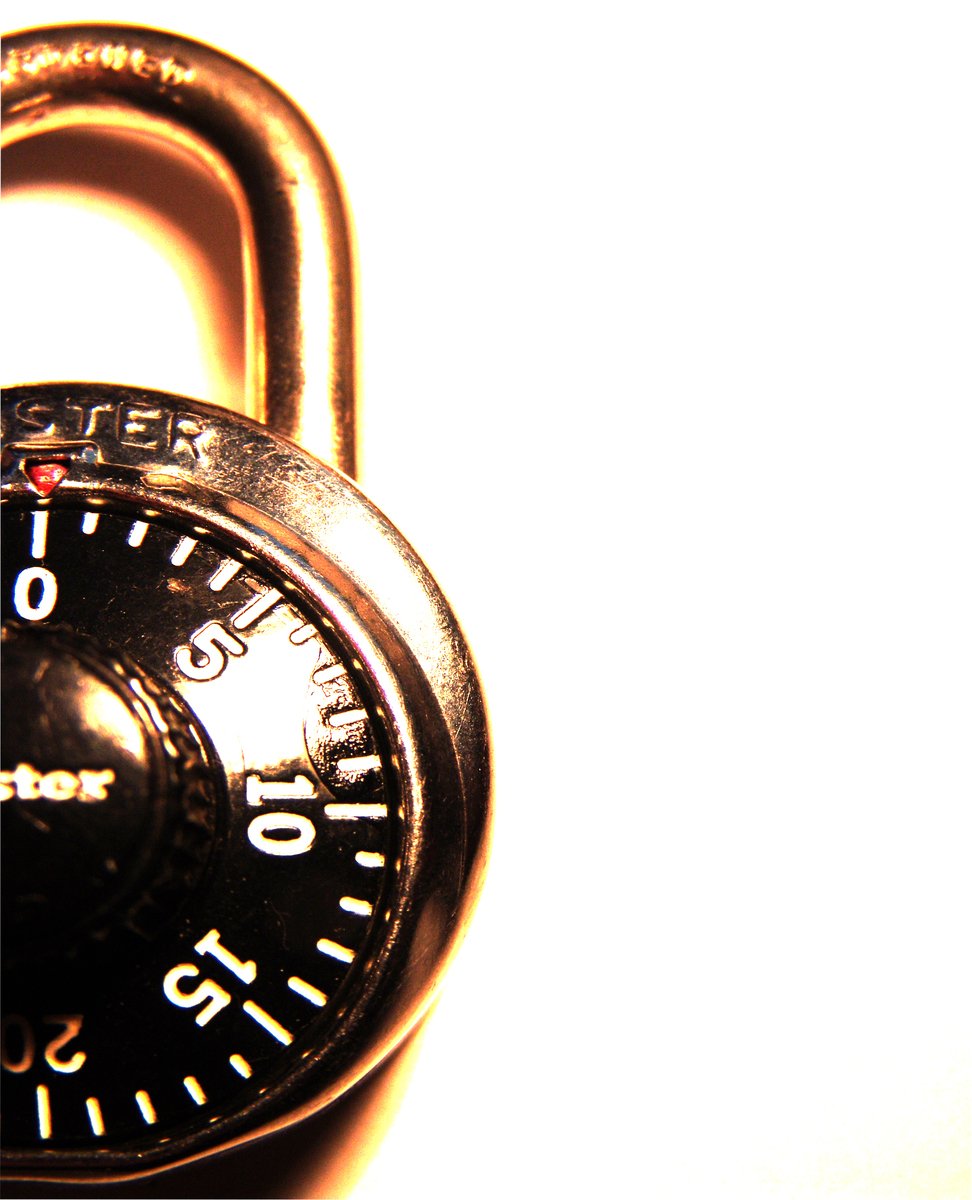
<point>211,803</point>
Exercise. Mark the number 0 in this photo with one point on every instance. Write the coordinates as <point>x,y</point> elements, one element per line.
<point>45,601</point>
<point>294,834</point>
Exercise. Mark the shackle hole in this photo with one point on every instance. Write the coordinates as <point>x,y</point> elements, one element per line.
<point>128,262</point>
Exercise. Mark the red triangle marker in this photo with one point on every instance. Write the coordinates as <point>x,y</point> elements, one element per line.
<point>45,476</point>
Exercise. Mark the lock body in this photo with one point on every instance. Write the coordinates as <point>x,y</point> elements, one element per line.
<point>245,781</point>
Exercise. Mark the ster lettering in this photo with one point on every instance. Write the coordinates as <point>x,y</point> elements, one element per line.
<point>135,425</point>
<point>24,782</point>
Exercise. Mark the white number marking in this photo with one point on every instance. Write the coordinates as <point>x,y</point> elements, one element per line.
<point>264,830</point>
<point>263,1018</point>
<point>282,834</point>
<point>23,603</point>
<point>209,994</point>
<point>70,1028</point>
<point>17,1063</point>
<point>213,643</point>
<point>19,1056</point>
<point>210,944</point>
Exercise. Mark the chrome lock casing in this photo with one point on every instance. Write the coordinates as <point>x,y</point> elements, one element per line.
<point>208,583</point>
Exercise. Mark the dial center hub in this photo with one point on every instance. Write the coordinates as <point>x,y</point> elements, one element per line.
<point>92,792</point>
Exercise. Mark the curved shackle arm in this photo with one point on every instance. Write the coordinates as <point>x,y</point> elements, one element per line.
<point>297,238</point>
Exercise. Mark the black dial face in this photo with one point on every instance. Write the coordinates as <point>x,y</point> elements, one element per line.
<point>200,823</point>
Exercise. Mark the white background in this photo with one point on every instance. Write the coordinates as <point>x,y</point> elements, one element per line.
<point>667,375</point>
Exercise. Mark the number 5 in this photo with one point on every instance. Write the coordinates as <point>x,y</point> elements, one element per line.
<point>213,642</point>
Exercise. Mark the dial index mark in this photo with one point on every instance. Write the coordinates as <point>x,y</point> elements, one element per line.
<point>38,534</point>
<point>45,476</point>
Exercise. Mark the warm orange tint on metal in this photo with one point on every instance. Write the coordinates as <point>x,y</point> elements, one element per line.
<point>297,237</point>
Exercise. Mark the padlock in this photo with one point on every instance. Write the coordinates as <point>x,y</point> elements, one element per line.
<point>245,758</point>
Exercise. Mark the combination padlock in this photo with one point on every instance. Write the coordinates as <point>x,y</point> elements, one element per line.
<point>245,762</point>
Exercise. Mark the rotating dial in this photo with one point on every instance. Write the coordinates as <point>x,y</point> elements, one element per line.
<point>200,927</point>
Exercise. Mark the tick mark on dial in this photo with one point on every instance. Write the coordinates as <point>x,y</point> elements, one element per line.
<point>258,607</point>
<point>284,785</point>
<point>335,950</point>
<point>228,568</point>
<point>350,716</point>
<point>146,1107</point>
<point>355,766</point>
<point>303,633</point>
<point>184,548</point>
<point>355,812</point>
<point>38,538</point>
<point>136,535</point>
<point>270,1024</point>
<point>328,674</point>
<point>240,1065</point>
<point>307,990</point>
<point>95,1119</point>
<point>43,1111</point>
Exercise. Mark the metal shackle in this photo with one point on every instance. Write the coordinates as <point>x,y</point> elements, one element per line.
<point>297,244</point>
